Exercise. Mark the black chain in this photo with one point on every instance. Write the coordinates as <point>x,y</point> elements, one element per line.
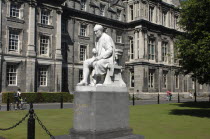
<point>40,122</point>
<point>4,129</point>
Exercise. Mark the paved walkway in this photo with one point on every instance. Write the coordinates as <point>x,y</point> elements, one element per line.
<point>70,105</point>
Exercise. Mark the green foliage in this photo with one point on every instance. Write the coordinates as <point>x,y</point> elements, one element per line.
<point>194,45</point>
<point>40,97</point>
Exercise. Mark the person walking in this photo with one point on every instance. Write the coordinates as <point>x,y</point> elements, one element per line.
<point>17,98</point>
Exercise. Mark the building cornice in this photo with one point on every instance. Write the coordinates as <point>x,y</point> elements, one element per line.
<point>70,12</point>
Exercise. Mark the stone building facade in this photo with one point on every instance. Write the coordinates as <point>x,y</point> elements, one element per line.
<point>44,43</point>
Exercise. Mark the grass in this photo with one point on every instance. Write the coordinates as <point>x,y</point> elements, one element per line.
<point>163,121</point>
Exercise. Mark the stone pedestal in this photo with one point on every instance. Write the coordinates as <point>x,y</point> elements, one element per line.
<point>101,112</point>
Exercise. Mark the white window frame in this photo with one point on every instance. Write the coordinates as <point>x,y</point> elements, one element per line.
<point>12,74</point>
<point>15,10</point>
<point>131,44</point>
<point>164,51</point>
<point>175,21</point>
<point>193,84</point>
<point>132,81</point>
<point>83,5</point>
<point>102,9</point>
<point>176,77</point>
<point>83,52</point>
<point>83,29</point>
<point>131,12</point>
<point>164,17</point>
<point>151,13</point>
<point>14,40</point>
<point>151,49</point>
<point>119,14</point>
<point>151,79</point>
<point>44,45</point>
<point>45,16</point>
<point>43,75</point>
<point>201,86</point>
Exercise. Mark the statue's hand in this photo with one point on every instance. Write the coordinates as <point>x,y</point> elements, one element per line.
<point>94,51</point>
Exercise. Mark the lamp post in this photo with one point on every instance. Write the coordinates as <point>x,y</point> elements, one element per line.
<point>195,94</point>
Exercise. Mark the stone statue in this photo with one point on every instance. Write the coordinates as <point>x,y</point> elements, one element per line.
<point>103,58</point>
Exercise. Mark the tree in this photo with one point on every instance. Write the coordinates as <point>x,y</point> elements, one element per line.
<point>193,45</point>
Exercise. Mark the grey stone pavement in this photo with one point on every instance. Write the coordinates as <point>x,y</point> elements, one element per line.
<point>70,105</point>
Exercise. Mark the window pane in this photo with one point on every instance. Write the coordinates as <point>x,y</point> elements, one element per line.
<point>12,74</point>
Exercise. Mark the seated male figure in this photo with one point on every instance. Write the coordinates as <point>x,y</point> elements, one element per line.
<point>103,55</point>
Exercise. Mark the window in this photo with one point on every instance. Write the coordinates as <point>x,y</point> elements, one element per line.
<point>193,84</point>
<point>102,10</point>
<point>151,78</point>
<point>64,26</point>
<point>131,48</point>
<point>13,40</point>
<point>80,75</point>
<point>83,30</point>
<point>43,75</point>
<point>44,45</point>
<point>164,51</point>
<point>151,9</point>
<point>119,37</point>
<point>64,48</point>
<point>83,5</point>
<point>176,81</point>
<point>151,49</point>
<point>118,14</point>
<point>175,22</point>
<point>164,18</point>
<point>164,79</point>
<point>83,52</point>
<point>131,12</point>
<point>12,74</point>
<point>132,82</point>
<point>201,86</point>
<point>45,15</point>
<point>15,10</point>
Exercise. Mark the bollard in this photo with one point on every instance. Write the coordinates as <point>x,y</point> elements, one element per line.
<point>209,98</point>
<point>61,101</point>
<point>158,98</point>
<point>8,101</point>
<point>178,98</point>
<point>31,123</point>
<point>133,100</point>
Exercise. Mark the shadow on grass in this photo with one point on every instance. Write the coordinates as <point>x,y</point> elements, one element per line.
<point>194,104</point>
<point>192,112</point>
<point>201,111</point>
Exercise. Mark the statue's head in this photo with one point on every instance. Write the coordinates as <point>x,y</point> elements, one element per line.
<point>98,30</point>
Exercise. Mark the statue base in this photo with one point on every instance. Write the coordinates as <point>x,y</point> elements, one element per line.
<point>101,112</point>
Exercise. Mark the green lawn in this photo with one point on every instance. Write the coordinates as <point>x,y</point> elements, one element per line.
<point>163,121</point>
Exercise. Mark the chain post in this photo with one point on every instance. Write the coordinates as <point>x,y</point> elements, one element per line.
<point>158,98</point>
<point>133,99</point>
<point>178,98</point>
<point>61,101</point>
<point>8,101</point>
<point>31,123</point>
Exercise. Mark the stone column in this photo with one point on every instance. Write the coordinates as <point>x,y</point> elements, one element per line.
<point>146,45</point>
<point>141,43</point>
<point>159,48</point>
<point>58,76</point>
<point>171,43</point>
<point>58,56</point>
<point>58,35</point>
<point>135,44</point>
<point>30,61</point>
<point>31,29</point>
